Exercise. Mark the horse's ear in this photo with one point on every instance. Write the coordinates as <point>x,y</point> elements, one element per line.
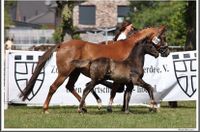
<point>162,29</point>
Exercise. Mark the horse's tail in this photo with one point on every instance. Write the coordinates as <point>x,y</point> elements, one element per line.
<point>42,61</point>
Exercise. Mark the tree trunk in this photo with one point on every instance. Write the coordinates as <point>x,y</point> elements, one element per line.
<point>59,9</point>
<point>191,26</point>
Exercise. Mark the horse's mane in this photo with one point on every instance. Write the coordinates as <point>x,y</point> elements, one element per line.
<point>136,30</point>
<point>130,56</point>
<point>132,32</point>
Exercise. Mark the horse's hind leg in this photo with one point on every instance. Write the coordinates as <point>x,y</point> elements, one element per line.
<point>59,80</point>
<point>86,91</point>
<point>99,102</point>
<point>70,84</point>
<point>107,84</point>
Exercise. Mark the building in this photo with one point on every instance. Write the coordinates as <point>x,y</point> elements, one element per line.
<point>99,18</point>
<point>33,12</point>
<point>33,24</point>
<point>95,20</point>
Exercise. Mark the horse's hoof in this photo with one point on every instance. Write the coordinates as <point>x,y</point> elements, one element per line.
<point>109,109</point>
<point>123,109</point>
<point>46,112</point>
<point>99,104</point>
<point>99,107</point>
<point>80,110</point>
<point>126,112</point>
<point>153,110</point>
<point>84,110</point>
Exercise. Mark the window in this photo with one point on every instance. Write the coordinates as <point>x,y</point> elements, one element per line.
<point>122,12</point>
<point>87,14</point>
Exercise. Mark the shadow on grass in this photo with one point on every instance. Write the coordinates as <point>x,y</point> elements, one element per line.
<point>180,104</point>
<point>179,107</point>
<point>117,110</point>
<point>93,110</point>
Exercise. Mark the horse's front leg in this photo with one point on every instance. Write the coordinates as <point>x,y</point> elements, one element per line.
<point>112,95</point>
<point>86,91</point>
<point>149,88</point>
<point>127,97</point>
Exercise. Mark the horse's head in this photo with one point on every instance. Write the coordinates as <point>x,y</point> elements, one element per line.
<point>159,41</point>
<point>150,49</point>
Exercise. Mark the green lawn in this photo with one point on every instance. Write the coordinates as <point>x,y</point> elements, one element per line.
<point>67,117</point>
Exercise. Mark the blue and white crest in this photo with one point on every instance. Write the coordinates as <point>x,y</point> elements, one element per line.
<point>23,72</point>
<point>186,72</point>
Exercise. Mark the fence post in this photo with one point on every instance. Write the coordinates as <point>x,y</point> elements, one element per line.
<point>5,83</point>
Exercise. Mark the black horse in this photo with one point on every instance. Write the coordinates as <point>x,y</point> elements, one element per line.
<point>128,72</point>
<point>159,42</point>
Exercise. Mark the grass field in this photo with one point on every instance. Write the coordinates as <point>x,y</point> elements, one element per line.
<point>67,117</point>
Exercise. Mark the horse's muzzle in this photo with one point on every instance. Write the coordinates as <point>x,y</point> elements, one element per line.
<point>164,51</point>
<point>156,56</point>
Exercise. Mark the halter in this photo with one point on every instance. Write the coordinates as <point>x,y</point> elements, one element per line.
<point>156,40</point>
<point>161,49</point>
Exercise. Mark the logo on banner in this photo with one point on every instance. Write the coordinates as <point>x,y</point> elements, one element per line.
<point>23,71</point>
<point>185,72</point>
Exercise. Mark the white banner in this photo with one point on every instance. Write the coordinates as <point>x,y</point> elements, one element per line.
<point>174,78</point>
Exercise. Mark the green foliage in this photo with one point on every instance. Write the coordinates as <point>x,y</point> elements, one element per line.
<point>142,4</point>
<point>169,13</point>
<point>67,12</point>
<point>44,26</point>
<point>76,36</point>
<point>57,35</point>
<point>7,18</point>
<point>178,26</point>
<point>66,25</point>
<point>68,20</point>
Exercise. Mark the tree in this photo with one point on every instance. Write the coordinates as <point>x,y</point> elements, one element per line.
<point>64,20</point>
<point>179,16</point>
<point>58,34</point>
<point>169,13</point>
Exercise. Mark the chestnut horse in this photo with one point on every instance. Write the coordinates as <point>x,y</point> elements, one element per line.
<point>78,49</point>
<point>130,72</point>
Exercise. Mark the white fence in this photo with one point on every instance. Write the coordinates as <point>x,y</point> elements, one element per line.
<point>25,38</point>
